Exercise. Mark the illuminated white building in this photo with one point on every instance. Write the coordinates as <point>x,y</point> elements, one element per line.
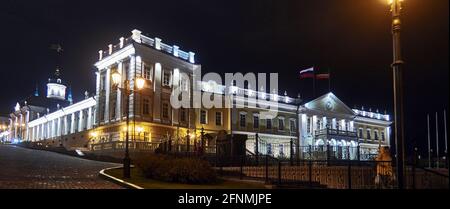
<point>324,125</point>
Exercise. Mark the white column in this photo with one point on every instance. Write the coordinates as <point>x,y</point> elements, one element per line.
<point>27,118</point>
<point>314,124</point>
<point>40,131</point>
<point>59,127</point>
<point>48,129</point>
<point>97,83</point>
<point>119,96</point>
<point>94,121</point>
<point>15,127</point>
<point>108,92</point>
<point>131,74</point>
<point>80,121</point>
<point>43,131</point>
<point>175,85</point>
<point>72,124</point>
<point>89,118</point>
<point>65,125</point>
<point>157,93</point>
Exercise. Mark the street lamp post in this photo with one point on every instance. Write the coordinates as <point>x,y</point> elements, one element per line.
<point>138,84</point>
<point>398,91</point>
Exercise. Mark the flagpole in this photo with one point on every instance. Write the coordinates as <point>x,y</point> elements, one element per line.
<point>437,141</point>
<point>329,80</point>
<point>429,141</point>
<point>314,84</point>
<point>445,135</point>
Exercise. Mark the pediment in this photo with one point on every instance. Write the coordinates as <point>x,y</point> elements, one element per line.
<point>329,103</point>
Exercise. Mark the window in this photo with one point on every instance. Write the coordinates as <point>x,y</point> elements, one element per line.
<point>218,118</point>
<point>308,125</point>
<point>102,81</point>
<point>269,149</point>
<point>147,71</point>
<point>183,115</point>
<point>382,136</point>
<point>242,118</point>
<point>360,133</point>
<point>280,123</point>
<point>368,134</point>
<point>255,121</point>
<point>184,84</point>
<point>203,117</point>
<point>147,137</point>
<point>113,109</point>
<point>292,126</point>
<point>165,109</point>
<point>375,133</point>
<point>166,78</point>
<point>281,150</point>
<point>269,123</point>
<point>146,104</point>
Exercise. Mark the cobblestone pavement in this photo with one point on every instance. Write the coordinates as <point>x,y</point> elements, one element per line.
<point>22,168</point>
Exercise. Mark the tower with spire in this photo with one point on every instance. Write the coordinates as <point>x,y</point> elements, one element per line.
<point>55,88</point>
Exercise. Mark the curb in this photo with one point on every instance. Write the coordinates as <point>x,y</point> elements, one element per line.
<point>118,181</point>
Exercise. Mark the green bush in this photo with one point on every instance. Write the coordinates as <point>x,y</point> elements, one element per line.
<point>171,169</point>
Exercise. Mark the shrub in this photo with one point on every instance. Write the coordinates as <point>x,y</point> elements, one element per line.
<point>171,169</point>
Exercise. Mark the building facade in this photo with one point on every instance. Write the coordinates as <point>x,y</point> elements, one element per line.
<point>325,124</point>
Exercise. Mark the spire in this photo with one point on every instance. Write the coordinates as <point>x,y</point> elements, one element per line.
<point>57,73</point>
<point>69,97</point>
<point>36,91</point>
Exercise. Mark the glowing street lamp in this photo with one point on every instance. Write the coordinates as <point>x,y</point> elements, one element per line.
<point>396,7</point>
<point>139,84</point>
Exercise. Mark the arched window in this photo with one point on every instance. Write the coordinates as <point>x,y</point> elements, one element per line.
<point>375,133</point>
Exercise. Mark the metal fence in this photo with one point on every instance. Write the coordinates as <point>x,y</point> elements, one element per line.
<point>331,174</point>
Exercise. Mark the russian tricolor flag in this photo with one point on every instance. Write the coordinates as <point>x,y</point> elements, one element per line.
<point>308,73</point>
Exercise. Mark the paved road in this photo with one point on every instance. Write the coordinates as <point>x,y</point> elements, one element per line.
<point>35,169</point>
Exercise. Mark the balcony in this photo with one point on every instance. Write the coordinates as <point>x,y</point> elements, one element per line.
<point>335,132</point>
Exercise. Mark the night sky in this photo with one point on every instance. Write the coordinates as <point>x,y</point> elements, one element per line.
<point>351,38</point>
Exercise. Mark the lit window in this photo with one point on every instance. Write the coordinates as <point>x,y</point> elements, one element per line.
<point>166,78</point>
<point>147,71</point>
<point>203,117</point>
<point>218,118</point>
